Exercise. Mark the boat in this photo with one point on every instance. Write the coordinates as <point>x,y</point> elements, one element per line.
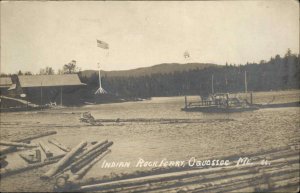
<point>219,103</point>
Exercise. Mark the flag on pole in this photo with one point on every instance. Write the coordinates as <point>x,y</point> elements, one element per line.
<point>102,44</point>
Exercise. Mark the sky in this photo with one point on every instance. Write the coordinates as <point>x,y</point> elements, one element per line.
<point>39,34</point>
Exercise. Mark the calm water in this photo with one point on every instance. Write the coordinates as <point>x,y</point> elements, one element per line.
<point>214,135</point>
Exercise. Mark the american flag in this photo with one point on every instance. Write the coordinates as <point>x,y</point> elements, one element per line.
<point>102,44</point>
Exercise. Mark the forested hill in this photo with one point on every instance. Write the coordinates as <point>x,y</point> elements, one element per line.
<point>160,68</point>
<point>278,73</point>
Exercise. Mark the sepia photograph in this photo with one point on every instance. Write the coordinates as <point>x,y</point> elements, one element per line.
<point>150,96</point>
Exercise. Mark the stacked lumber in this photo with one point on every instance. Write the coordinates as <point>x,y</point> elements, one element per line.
<point>281,175</point>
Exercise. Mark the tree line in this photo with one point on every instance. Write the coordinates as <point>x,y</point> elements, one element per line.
<point>69,68</point>
<point>278,73</point>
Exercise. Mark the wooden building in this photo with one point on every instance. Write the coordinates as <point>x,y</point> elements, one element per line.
<point>5,84</point>
<point>49,89</point>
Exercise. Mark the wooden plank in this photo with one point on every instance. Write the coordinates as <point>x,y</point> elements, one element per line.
<point>46,149</point>
<point>59,145</point>
<point>32,156</point>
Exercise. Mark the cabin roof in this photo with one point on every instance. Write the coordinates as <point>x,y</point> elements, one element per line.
<point>49,80</point>
<point>5,82</point>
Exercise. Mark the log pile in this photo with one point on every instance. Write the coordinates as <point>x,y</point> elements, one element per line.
<point>282,174</point>
<point>33,156</point>
<point>79,160</point>
<point>75,162</point>
<point>10,149</point>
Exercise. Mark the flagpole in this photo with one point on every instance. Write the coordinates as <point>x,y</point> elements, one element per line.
<point>103,45</point>
<point>100,86</point>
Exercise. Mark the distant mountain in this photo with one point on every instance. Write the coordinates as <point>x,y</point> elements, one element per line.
<point>156,69</point>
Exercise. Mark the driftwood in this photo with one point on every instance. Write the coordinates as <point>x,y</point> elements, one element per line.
<point>59,145</point>
<point>87,153</point>
<point>89,157</point>
<point>17,144</point>
<point>85,169</point>
<point>12,149</point>
<point>90,149</point>
<point>62,180</point>
<point>63,161</point>
<point>46,149</point>
<point>7,172</point>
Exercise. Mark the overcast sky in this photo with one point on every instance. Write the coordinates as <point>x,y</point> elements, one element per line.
<point>39,34</point>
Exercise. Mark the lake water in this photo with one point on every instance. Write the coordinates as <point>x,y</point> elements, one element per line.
<point>209,136</point>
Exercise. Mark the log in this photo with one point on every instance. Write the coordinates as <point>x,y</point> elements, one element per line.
<point>17,144</point>
<point>217,171</point>
<point>65,179</point>
<point>13,149</point>
<point>89,157</point>
<point>59,145</point>
<point>46,149</point>
<point>88,152</point>
<point>91,148</point>
<point>85,169</point>
<point>64,160</point>
<point>8,172</point>
<point>47,133</point>
<point>209,175</point>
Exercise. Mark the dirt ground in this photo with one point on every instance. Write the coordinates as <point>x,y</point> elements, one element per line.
<point>209,135</point>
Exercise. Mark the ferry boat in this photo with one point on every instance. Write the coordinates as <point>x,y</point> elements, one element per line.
<point>219,102</point>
